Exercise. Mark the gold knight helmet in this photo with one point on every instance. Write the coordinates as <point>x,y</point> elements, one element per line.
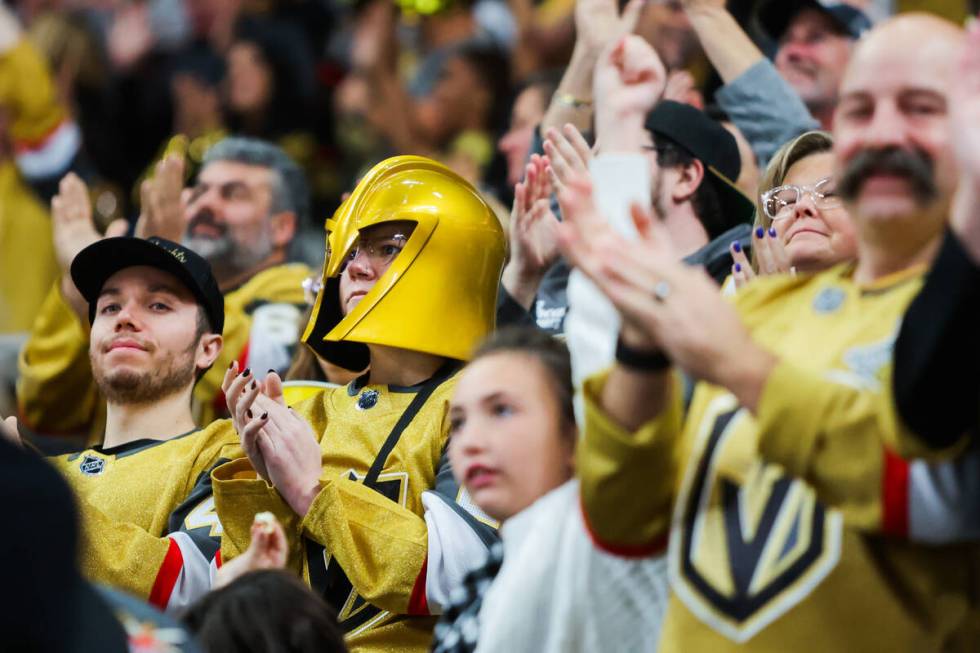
<point>439,295</point>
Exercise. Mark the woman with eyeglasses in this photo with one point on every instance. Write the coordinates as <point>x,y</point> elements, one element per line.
<point>801,223</point>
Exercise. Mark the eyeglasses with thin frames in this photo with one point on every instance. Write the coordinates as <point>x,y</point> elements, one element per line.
<point>778,201</point>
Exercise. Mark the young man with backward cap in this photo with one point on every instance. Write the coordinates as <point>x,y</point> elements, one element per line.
<point>144,493</point>
<point>241,215</point>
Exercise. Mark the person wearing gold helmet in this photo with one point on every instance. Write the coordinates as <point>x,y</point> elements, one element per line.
<point>358,475</point>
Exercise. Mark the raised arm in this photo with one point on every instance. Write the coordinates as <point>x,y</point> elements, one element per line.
<point>760,103</point>
<point>598,23</point>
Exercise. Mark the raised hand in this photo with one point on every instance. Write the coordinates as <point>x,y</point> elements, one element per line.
<point>568,153</point>
<point>72,231</point>
<point>589,241</point>
<point>598,22</point>
<point>964,125</point>
<point>71,220</point>
<point>770,256</point>
<point>130,35</point>
<point>161,210</point>
<point>964,106</point>
<point>533,233</point>
<point>288,446</point>
<point>629,81</point>
<point>268,550</point>
<point>682,88</point>
<point>241,390</point>
<point>374,42</point>
<point>742,271</point>
<point>663,302</point>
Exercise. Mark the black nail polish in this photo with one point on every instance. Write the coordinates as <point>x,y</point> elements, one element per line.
<point>265,415</point>
<point>231,365</point>
<point>271,371</point>
<point>248,413</point>
<point>254,385</point>
<point>248,370</point>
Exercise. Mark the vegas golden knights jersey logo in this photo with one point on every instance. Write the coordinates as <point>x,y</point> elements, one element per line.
<point>747,542</point>
<point>354,614</point>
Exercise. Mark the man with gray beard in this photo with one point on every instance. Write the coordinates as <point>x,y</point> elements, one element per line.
<point>241,215</point>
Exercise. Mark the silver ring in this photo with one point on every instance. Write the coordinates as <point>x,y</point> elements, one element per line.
<point>661,291</point>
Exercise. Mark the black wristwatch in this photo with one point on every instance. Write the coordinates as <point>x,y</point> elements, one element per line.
<point>643,361</point>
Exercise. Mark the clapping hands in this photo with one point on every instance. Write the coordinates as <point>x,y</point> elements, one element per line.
<point>280,444</point>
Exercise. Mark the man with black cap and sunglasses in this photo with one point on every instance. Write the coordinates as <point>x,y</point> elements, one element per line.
<point>144,494</point>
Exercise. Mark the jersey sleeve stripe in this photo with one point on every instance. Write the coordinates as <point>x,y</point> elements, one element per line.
<point>895,495</point>
<point>418,604</point>
<point>166,578</point>
<point>50,155</point>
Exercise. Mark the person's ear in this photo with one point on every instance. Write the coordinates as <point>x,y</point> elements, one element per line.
<point>284,226</point>
<point>690,179</point>
<point>208,349</point>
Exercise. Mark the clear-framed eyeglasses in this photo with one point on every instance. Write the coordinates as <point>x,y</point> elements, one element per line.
<point>380,250</point>
<point>779,201</point>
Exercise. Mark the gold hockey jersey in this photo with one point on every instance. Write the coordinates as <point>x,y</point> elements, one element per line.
<point>787,528</point>
<point>45,140</point>
<point>147,513</point>
<point>56,393</point>
<point>364,543</point>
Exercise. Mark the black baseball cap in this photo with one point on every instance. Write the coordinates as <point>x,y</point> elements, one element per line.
<point>774,16</point>
<point>706,140</point>
<point>99,261</point>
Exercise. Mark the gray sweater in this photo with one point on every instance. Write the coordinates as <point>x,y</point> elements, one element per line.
<point>766,109</point>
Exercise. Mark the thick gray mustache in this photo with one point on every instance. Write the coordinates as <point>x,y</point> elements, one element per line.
<point>913,165</point>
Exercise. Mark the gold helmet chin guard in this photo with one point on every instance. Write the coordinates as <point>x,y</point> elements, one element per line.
<point>439,294</point>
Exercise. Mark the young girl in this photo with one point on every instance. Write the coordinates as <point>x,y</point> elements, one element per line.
<point>548,588</point>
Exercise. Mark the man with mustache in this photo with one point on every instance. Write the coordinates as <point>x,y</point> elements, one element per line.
<point>241,216</point>
<point>144,492</point>
<point>792,524</point>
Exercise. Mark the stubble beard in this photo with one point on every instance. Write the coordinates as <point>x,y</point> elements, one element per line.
<point>125,387</point>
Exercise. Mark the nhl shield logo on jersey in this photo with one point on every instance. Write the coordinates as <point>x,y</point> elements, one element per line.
<point>747,542</point>
<point>92,465</point>
<point>829,300</point>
